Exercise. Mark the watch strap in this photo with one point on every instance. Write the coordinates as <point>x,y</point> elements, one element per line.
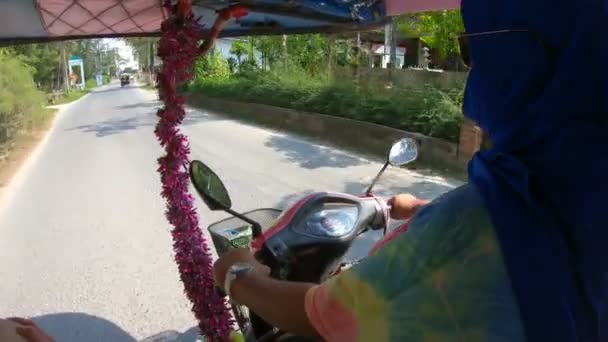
<point>234,272</point>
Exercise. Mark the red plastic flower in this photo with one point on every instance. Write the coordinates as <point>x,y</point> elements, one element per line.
<point>178,49</point>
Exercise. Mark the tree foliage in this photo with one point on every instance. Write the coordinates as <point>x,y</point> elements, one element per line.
<point>309,52</point>
<point>270,49</point>
<point>144,50</point>
<point>97,57</point>
<point>20,101</point>
<point>239,48</point>
<point>211,66</point>
<point>47,63</point>
<point>44,60</point>
<point>296,72</point>
<point>439,30</point>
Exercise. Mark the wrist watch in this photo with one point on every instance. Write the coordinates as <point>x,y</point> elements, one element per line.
<point>236,271</point>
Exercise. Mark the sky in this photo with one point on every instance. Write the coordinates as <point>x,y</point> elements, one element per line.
<point>124,51</point>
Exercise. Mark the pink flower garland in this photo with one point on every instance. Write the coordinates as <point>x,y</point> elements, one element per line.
<point>178,49</point>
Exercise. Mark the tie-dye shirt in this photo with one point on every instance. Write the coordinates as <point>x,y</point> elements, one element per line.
<point>442,280</point>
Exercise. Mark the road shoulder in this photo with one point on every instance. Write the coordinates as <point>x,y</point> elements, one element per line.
<point>23,150</point>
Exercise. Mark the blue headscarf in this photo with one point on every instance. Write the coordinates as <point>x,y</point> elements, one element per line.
<point>542,97</point>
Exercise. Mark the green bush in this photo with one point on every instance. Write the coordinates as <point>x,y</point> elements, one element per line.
<point>212,66</point>
<point>71,96</point>
<point>422,109</point>
<point>20,101</point>
<point>90,83</point>
<point>441,115</point>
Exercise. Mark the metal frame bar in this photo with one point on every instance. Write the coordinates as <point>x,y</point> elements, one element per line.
<point>335,25</point>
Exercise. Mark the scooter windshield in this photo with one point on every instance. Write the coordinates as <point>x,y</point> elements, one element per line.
<point>265,217</point>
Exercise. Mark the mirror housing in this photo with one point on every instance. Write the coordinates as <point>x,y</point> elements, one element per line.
<point>403,152</point>
<point>213,192</point>
<point>209,186</point>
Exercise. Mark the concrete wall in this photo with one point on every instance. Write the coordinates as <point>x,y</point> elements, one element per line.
<point>357,136</point>
<point>471,139</point>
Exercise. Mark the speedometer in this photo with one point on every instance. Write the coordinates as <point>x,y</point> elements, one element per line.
<point>330,220</point>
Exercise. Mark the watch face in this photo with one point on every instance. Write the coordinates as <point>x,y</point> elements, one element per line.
<point>240,267</point>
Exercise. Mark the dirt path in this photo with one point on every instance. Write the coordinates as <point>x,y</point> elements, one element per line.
<point>20,149</point>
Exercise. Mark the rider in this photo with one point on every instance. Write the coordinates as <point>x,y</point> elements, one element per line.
<point>22,330</point>
<point>519,252</point>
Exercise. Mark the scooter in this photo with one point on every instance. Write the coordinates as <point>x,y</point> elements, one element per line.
<point>306,242</point>
<point>124,81</point>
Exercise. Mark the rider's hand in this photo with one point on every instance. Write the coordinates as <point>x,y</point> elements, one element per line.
<point>30,331</point>
<point>405,206</point>
<point>232,257</point>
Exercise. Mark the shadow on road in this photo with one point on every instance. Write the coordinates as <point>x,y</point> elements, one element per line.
<point>109,90</point>
<point>150,104</point>
<point>148,119</point>
<point>388,187</point>
<point>193,116</point>
<point>112,126</point>
<point>291,199</point>
<point>312,156</point>
<point>78,327</point>
<point>74,326</point>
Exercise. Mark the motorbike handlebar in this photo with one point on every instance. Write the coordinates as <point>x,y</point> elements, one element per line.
<point>383,210</point>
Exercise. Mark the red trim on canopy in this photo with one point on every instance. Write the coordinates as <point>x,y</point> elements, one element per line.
<point>396,7</point>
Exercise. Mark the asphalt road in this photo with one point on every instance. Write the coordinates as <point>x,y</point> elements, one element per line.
<point>84,245</point>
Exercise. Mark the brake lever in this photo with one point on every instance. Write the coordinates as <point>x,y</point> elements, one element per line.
<point>387,214</point>
<point>385,208</point>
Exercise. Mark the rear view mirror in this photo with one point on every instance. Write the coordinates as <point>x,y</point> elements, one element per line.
<point>403,152</point>
<point>209,186</point>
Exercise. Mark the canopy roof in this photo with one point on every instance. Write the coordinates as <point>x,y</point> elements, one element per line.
<point>44,20</point>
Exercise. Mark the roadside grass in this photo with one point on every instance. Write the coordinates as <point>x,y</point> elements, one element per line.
<point>149,86</point>
<point>23,116</point>
<point>16,150</point>
<point>75,94</point>
<point>417,108</point>
<point>71,96</point>
<point>39,119</point>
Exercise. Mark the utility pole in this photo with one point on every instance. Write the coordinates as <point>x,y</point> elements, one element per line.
<point>284,45</point>
<point>358,59</point>
<point>394,43</point>
<point>390,42</point>
<point>151,61</point>
<point>331,59</point>
<point>387,44</point>
<point>97,56</point>
<point>66,74</point>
